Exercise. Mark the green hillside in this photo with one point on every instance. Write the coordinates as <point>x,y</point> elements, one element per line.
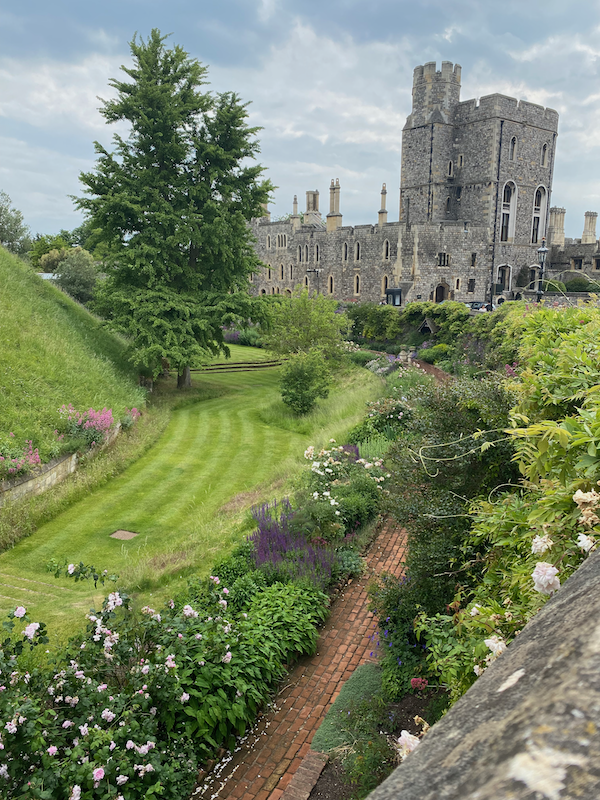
<point>53,352</point>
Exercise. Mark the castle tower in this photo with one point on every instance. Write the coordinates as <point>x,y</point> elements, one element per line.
<point>427,144</point>
<point>383,210</point>
<point>589,228</point>
<point>556,227</point>
<point>334,218</point>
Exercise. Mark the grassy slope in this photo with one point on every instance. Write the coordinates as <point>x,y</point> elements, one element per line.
<point>173,497</point>
<point>52,351</point>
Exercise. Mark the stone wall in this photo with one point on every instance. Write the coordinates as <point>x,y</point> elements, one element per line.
<point>528,728</point>
<point>50,474</point>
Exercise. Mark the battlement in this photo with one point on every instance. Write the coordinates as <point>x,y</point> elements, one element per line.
<point>500,105</point>
<point>450,73</point>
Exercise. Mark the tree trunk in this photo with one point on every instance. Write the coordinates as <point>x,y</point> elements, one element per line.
<point>184,379</point>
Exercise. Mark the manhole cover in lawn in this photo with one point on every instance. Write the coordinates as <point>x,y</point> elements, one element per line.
<point>123,535</point>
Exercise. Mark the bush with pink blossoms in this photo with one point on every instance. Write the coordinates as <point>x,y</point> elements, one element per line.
<point>17,459</point>
<point>90,427</point>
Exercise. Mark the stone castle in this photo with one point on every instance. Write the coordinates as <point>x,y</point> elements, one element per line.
<point>475,188</point>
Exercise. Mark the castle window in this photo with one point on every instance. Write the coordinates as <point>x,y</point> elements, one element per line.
<point>597,263</point>
<point>461,161</point>
<point>458,192</point>
<point>448,205</point>
<point>450,169</point>
<point>577,263</point>
<point>269,274</point>
<point>273,290</point>
<point>317,253</point>
<point>457,287</point>
<point>345,251</point>
<point>306,253</point>
<point>386,250</point>
<point>471,285</point>
<point>443,260</point>
<point>512,150</point>
<point>291,273</point>
<point>282,272</point>
<point>268,242</point>
<point>263,291</point>
<point>509,206</point>
<point>384,284</point>
<point>252,277</point>
<point>357,284</point>
<point>300,253</point>
<point>539,215</point>
<point>277,290</point>
<point>285,239</point>
<point>330,284</point>
<point>544,160</point>
<point>357,251</point>
<point>473,259</point>
<point>306,281</point>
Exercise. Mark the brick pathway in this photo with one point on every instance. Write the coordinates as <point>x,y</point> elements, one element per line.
<point>266,766</point>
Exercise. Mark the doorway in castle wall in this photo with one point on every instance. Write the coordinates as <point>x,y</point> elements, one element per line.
<point>441,292</point>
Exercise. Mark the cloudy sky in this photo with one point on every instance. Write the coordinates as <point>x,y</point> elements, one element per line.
<point>330,83</point>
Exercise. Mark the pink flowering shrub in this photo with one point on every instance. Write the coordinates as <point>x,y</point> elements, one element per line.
<point>17,460</point>
<point>141,696</point>
<point>90,426</point>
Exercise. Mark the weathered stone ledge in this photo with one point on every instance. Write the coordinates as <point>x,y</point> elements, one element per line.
<point>528,728</point>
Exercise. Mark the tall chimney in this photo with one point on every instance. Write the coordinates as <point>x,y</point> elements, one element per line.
<point>382,210</point>
<point>296,222</point>
<point>334,218</point>
<point>556,227</point>
<point>589,228</point>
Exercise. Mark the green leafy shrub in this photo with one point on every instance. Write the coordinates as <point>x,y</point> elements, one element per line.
<point>360,357</point>
<point>438,352</point>
<point>578,284</point>
<point>304,378</point>
<point>77,274</point>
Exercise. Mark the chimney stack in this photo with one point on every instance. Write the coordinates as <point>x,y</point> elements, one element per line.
<point>556,227</point>
<point>383,211</point>
<point>589,228</point>
<point>334,218</point>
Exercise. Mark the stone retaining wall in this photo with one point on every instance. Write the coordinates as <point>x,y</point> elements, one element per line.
<point>50,474</point>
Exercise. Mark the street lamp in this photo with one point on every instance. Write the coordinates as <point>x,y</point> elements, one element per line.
<point>317,272</point>
<point>542,253</point>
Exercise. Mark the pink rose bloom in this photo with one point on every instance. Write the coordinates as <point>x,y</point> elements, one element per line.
<point>184,697</point>
<point>407,743</point>
<point>52,750</point>
<point>30,630</point>
<point>20,612</point>
<point>544,578</point>
<point>98,774</point>
<point>71,569</point>
<point>225,591</point>
<point>226,658</point>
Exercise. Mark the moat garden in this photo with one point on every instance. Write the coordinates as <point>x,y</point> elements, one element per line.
<point>245,516</point>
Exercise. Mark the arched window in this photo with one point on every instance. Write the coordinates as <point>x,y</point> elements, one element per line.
<point>357,251</point>
<point>263,291</point>
<point>345,251</point>
<point>450,169</point>
<point>269,274</point>
<point>539,214</point>
<point>509,208</point>
<point>448,205</point>
<point>386,250</point>
<point>277,290</point>
<point>252,277</point>
<point>544,159</point>
<point>300,253</point>
<point>306,253</point>
<point>306,281</point>
<point>357,284</point>
<point>384,284</point>
<point>288,292</point>
<point>273,290</point>
<point>291,273</point>
<point>330,283</point>
<point>268,242</point>
<point>457,284</point>
<point>282,272</point>
<point>512,150</point>
<point>317,253</point>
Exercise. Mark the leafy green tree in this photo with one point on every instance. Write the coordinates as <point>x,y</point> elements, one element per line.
<point>14,234</point>
<point>304,378</point>
<point>50,262</point>
<point>42,245</point>
<point>302,322</point>
<point>77,274</point>
<point>172,203</point>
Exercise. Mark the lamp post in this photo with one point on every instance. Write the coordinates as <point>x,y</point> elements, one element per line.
<point>317,272</point>
<point>542,253</point>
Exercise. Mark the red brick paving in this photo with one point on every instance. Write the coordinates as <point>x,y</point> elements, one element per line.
<point>275,761</point>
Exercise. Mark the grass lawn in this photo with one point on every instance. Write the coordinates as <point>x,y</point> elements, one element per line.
<point>186,498</point>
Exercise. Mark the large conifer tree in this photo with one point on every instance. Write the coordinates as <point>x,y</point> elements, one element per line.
<point>172,202</point>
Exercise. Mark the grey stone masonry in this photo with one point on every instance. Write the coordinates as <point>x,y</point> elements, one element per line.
<point>528,729</point>
<point>475,191</point>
